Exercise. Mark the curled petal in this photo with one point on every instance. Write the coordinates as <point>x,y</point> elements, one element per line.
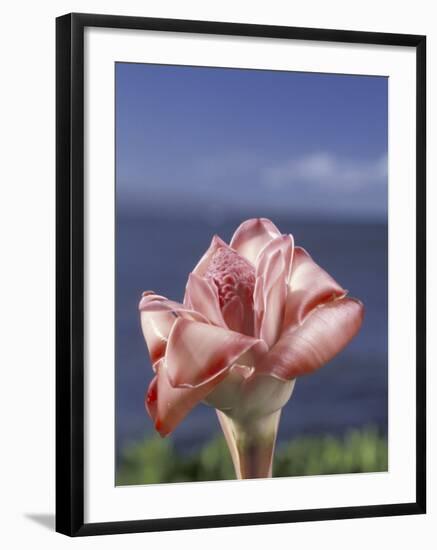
<point>258,306</point>
<point>273,266</point>
<point>156,328</point>
<point>167,405</point>
<point>203,297</point>
<point>252,235</point>
<point>203,263</point>
<point>307,347</point>
<point>161,304</point>
<point>157,318</point>
<point>274,297</point>
<point>309,287</point>
<point>284,243</point>
<point>233,314</point>
<point>149,297</point>
<point>197,353</point>
<point>151,401</point>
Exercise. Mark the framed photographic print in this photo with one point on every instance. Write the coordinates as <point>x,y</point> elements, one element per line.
<point>240,274</point>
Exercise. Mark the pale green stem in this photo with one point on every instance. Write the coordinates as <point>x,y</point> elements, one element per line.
<point>251,443</point>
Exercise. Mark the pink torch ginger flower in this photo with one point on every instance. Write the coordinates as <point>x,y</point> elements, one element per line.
<point>256,314</point>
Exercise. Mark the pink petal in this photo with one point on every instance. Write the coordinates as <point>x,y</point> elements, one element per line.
<point>273,266</point>
<point>157,318</point>
<point>151,401</point>
<point>203,263</point>
<point>274,295</point>
<point>233,314</point>
<point>258,306</point>
<point>252,236</point>
<point>196,353</point>
<point>156,329</point>
<point>307,347</point>
<point>284,243</point>
<point>203,297</point>
<point>161,304</point>
<point>149,296</point>
<point>167,405</point>
<point>309,287</point>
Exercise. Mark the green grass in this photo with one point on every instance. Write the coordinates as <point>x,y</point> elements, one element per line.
<point>155,460</point>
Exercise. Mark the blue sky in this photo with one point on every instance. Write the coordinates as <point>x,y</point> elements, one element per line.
<point>212,141</point>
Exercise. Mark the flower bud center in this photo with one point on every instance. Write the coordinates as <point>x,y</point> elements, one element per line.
<point>233,276</point>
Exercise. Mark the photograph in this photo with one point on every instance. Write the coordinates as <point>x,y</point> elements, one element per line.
<point>251,273</point>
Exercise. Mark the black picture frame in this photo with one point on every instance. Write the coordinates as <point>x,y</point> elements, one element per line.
<point>70,273</point>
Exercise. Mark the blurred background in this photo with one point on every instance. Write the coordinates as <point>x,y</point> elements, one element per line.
<point>198,151</point>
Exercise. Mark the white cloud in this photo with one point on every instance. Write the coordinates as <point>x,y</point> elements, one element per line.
<point>225,182</point>
<point>323,169</point>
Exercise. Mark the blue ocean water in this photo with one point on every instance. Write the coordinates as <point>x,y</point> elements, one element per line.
<point>158,252</point>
